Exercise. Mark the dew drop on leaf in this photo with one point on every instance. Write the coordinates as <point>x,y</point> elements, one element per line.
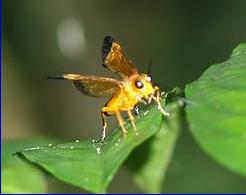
<point>146,112</point>
<point>98,150</point>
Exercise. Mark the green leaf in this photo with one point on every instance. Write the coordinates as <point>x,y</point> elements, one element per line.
<point>150,161</point>
<point>216,111</point>
<point>92,165</point>
<point>17,175</point>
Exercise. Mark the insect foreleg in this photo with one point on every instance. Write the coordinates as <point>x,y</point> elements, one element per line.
<point>157,99</point>
<point>150,98</point>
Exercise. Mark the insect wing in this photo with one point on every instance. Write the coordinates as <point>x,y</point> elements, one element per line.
<point>114,58</point>
<point>91,85</point>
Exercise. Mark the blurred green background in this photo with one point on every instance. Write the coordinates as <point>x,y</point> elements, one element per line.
<point>182,38</point>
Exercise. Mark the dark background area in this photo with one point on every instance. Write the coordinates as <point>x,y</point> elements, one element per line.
<point>182,38</point>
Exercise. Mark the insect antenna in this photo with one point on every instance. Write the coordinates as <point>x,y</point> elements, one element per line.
<point>149,72</point>
<point>149,68</point>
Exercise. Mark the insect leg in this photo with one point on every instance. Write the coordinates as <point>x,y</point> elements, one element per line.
<point>157,99</point>
<point>132,121</point>
<point>150,98</point>
<point>104,126</point>
<point>136,110</point>
<point>121,122</point>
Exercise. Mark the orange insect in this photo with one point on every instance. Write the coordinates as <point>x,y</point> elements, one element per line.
<point>126,93</point>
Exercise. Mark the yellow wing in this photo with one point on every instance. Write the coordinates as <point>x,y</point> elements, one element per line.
<point>91,85</point>
<point>114,58</point>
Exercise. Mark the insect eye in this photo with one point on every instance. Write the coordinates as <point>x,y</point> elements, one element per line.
<point>139,84</point>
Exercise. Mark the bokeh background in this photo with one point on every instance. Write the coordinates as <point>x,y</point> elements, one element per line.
<point>45,37</point>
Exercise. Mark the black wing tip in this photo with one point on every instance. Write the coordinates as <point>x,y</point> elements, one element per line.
<point>60,77</point>
<point>106,46</point>
<point>108,39</point>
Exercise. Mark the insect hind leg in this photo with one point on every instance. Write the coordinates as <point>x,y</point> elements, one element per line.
<point>118,116</point>
<point>104,125</point>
